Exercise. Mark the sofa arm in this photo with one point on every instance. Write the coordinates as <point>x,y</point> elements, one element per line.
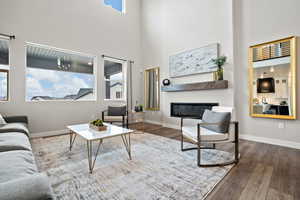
<point>33,187</point>
<point>15,119</point>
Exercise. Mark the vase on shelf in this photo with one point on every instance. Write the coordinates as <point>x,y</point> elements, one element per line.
<point>218,75</point>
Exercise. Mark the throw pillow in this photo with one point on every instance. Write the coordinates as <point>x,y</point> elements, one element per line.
<point>2,121</point>
<point>221,118</point>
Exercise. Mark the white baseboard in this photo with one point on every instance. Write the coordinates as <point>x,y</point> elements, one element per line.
<point>278,142</point>
<point>171,126</point>
<point>283,143</point>
<point>48,133</point>
<point>265,140</point>
<point>163,124</point>
<point>153,122</point>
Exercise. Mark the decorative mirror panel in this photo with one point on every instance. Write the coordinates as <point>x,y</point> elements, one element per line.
<point>152,89</point>
<point>272,81</point>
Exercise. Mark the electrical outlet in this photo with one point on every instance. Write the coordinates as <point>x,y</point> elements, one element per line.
<point>281,125</point>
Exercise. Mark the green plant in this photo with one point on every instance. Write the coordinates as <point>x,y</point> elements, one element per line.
<point>220,61</point>
<point>97,122</point>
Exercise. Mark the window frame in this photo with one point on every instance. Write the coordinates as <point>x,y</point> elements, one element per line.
<point>124,76</point>
<point>6,69</point>
<point>95,58</point>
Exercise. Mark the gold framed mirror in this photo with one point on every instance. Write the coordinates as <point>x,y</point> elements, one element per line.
<point>152,89</point>
<point>272,79</point>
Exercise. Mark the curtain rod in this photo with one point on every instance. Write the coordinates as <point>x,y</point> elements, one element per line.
<point>105,56</point>
<point>11,37</point>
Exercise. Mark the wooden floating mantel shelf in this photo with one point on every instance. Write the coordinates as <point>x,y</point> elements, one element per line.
<point>209,85</point>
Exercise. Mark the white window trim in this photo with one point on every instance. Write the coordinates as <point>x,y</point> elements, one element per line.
<point>124,6</point>
<point>95,58</point>
<point>124,73</point>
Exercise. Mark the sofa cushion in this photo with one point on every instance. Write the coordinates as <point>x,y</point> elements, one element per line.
<point>15,127</point>
<point>16,164</point>
<point>33,187</point>
<point>15,119</point>
<point>14,141</point>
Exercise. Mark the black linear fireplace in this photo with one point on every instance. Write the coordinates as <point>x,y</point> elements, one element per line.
<point>190,110</point>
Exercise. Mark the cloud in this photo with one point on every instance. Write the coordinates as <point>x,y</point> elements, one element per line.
<point>59,84</point>
<point>117,77</point>
<point>40,74</point>
<point>34,88</point>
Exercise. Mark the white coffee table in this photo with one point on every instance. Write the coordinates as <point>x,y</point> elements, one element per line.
<point>91,135</point>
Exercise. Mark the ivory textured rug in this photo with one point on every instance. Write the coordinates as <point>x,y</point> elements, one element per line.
<point>158,169</point>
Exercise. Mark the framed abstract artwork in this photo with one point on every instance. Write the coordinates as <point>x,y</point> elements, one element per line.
<point>194,61</point>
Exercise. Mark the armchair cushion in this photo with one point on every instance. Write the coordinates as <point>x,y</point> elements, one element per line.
<point>205,134</point>
<point>116,111</point>
<point>221,118</point>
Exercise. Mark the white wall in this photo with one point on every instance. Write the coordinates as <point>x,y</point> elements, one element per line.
<point>173,26</point>
<point>167,27</point>
<point>260,21</point>
<point>170,27</point>
<point>83,26</point>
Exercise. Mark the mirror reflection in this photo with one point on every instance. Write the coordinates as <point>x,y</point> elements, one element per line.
<point>152,90</point>
<point>273,80</point>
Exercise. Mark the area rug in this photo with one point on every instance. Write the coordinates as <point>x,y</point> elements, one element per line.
<point>158,169</point>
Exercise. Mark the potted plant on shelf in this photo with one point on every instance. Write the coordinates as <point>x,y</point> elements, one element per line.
<point>141,107</point>
<point>138,108</point>
<point>220,61</point>
<point>98,125</point>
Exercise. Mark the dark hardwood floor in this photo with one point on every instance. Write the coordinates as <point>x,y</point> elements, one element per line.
<point>264,171</point>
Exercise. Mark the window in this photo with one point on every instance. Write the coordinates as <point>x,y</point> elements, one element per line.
<point>54,74</point>
<point>119,5</point>
<point>4,69</point>
<point>114,76</point>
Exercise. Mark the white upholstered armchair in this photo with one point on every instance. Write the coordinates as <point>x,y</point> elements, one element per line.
<point>214,128</point>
